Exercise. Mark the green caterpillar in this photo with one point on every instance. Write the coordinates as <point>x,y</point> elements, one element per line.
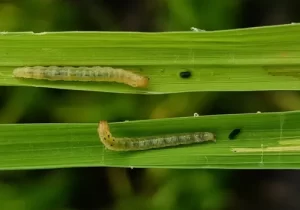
<point>151,142</point>
<point>95,73</point>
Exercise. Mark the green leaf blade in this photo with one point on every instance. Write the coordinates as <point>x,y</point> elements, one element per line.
<point>252,59</point>
<point>267,140</point>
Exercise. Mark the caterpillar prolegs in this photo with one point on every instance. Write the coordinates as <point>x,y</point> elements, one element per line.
<point>69,73</point>
<point>151,142</point>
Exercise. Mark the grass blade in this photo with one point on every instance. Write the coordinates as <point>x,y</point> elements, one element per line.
<point>264,58</point>
<point>267,140</point>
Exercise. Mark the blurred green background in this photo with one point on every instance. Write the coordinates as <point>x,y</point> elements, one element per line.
<point>117,188</point>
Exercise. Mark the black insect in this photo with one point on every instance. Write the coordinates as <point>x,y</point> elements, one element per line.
<point>234,133</point>
<point>185,74</point>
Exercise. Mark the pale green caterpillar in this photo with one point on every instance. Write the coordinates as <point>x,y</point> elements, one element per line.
<point>151,142</point>
<point>95,74</point>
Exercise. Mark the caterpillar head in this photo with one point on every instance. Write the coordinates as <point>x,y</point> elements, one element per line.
<point>103,128</point>
<point>140,81</point>
<point>104,132</point>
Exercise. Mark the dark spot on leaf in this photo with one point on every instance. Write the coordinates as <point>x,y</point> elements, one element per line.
<point>185,74</point>
<point>234,133</point>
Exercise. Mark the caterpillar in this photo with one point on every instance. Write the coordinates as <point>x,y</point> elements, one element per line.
<point>151,142</point>
<point>95,73</point>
